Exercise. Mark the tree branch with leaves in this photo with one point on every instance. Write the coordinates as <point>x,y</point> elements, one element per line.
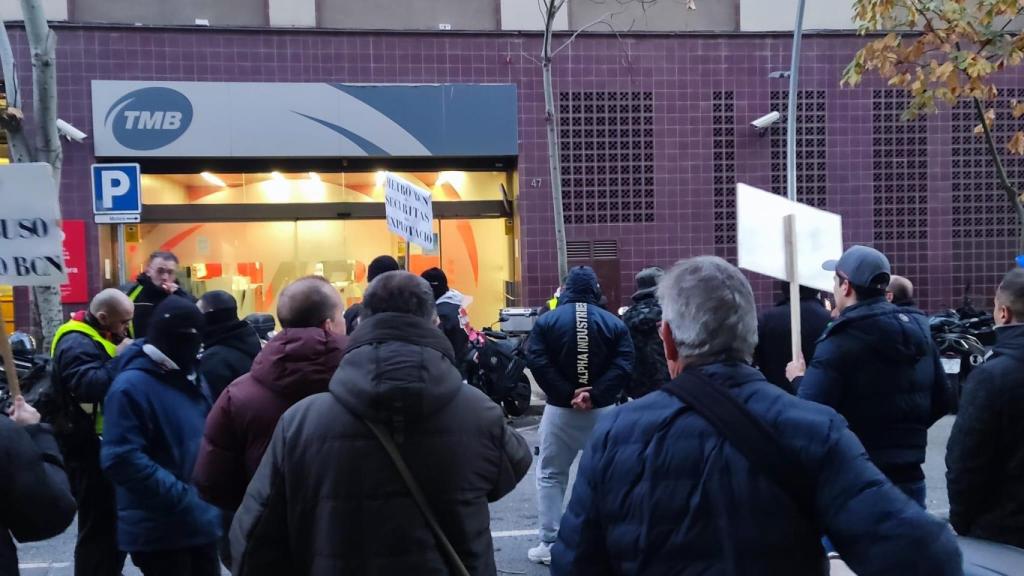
<point>943,52</point>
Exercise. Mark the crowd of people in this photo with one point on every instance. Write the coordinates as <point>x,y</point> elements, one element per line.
<point>350,443</point>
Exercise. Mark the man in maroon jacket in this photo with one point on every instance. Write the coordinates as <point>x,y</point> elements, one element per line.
<point>296,363</point>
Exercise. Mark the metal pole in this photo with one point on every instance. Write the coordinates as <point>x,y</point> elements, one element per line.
<point>794,69</point>
<point>122,261</point>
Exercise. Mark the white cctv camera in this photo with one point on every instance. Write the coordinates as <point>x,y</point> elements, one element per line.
<point>70,132</point>
<point>767,120</point>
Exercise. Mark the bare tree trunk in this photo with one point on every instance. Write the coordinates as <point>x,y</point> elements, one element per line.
<point>21,150</point>
<point>1012,196</point>
<point>43,45</point>
<point>554,155</point>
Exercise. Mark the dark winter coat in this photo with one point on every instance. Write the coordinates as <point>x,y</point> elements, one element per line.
<point>450,322</point>
<point>146,295</point>
<point>877,366</point>
<point>661,492</point>
<point>296,363</point>
<point>351,317</point>
<point>985,456</point>
<point>650,370</point>
<point>774,350</point>
<point>82,373</point>
<point>562,362</point>
<point>35,501</point>
<point>358,517</point>
<point>153,424</point>
<point>228,352</point>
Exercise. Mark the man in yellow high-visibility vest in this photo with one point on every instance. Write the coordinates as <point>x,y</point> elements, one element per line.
<point>83,354</point>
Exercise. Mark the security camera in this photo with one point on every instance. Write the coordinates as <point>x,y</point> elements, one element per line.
<point>70,132</point>
<point>766,121</point>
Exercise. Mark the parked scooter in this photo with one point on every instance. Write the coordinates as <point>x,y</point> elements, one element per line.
<point>496,363</point>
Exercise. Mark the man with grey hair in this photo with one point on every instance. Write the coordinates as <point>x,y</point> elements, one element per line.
<point>665,487</point>
<point>328,487</point>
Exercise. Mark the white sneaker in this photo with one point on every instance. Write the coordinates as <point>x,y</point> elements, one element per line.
<point>541,554</point>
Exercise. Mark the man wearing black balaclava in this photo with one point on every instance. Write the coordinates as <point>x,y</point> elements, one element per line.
<point>229,344</point>
<point>449,312</point>
<point>155,413</point>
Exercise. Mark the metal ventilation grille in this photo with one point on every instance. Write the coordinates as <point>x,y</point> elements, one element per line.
<point>607,153</point>
<point>984,226</point>
<point>577,250</point>
<point>900,191</point>
<point>723,143</point>
<point>606,249</point>
<point>811,146</point>
<point>596,250</point>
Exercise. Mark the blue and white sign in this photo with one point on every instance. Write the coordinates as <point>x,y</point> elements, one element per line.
<point>116,193</point>
<point>304,120</point>
<point>149,118</point>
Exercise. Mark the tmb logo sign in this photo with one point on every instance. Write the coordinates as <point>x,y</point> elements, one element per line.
<point>149,118</point>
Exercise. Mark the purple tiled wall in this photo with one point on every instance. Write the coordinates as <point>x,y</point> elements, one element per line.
<point>682,71</point>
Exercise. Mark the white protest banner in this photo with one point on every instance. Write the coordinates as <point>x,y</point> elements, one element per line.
<point>31,250</point>
<point>409,211</point>
<point>761,240</point>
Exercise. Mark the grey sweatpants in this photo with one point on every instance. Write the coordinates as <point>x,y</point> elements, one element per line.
<point>563,433</point>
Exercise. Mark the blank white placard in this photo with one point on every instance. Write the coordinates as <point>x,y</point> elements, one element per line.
<point>761,242</point>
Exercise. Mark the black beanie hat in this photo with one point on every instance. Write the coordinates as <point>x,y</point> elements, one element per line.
<point>176,329</point>
<point>220,308</point>
<point>438,281</point>
<point>380,265</point>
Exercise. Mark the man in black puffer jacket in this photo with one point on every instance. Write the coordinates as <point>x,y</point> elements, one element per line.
<point>151,288</point>
<point>877,366</point>
<point>985,456</point>
<point>582,357</point>
<point>643,318</point>
<point>328,488</point>
<point>229,344</point>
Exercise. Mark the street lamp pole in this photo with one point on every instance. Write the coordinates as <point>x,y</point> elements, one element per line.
<point>794,70</point>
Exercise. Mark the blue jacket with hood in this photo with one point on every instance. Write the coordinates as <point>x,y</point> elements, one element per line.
<point>580,344</point>
<point>877,366</point>
<point>154,420</point>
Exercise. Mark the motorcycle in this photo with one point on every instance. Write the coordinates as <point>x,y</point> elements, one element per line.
<point>496,365</point>
<point>963,337</point>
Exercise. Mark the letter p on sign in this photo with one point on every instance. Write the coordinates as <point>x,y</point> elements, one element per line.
<point>116,189</point>
<point>115,183</point>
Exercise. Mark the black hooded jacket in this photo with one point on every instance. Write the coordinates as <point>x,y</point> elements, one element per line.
<point>579,344</point>
<point>328,500</point>
<point>985,456</point>
<point>228,352</point>
<point>36,502</point>
<point>877,366</point>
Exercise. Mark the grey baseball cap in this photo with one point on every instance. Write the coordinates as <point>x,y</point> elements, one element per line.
<point>862,266</point>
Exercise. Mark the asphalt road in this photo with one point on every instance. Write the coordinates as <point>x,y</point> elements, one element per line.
<point>513,519</point>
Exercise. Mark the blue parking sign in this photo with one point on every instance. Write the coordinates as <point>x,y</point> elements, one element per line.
<point>116,189</point>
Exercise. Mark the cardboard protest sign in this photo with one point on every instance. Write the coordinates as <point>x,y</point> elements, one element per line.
<point>409,211</point>
<point>31,250</point>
